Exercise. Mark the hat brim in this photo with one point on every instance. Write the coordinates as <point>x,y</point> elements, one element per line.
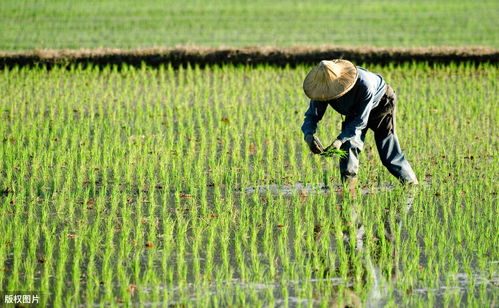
<point>330,80</point>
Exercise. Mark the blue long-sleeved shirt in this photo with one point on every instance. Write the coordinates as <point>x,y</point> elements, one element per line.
<point>356,105</point>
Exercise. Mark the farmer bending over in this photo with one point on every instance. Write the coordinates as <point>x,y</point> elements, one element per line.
<point>367,102</point>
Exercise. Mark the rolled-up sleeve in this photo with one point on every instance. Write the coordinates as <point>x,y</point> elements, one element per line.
<point>355,124</point>
<point>313,115</point>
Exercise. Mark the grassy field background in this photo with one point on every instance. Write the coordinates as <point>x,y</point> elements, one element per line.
<point>194,187</point>
<point>56,24</point>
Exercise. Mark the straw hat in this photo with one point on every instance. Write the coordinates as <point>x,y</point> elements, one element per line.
<point>330,80</point>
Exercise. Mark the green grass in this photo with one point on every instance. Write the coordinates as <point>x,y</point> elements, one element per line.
<point>29,24</point>
<point>127,186</point>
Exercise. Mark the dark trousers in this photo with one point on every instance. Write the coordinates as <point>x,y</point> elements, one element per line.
<point>382,122</point>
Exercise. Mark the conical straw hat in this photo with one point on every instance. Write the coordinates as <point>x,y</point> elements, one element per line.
<point>330,80</point>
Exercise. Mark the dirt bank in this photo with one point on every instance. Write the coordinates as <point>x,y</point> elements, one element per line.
<point>249,55</point>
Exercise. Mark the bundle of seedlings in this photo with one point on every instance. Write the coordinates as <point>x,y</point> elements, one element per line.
<point>333,152</point>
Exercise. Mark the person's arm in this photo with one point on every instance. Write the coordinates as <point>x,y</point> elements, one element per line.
<point>352,130</point>
<point>313,115</point>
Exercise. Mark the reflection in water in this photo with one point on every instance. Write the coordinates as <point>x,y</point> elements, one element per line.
<point>373,277</point>
<point>349,273</point>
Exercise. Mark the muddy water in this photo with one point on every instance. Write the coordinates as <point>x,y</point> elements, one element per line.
<point>299,188</point>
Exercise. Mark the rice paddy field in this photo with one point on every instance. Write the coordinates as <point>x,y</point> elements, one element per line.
<point>193,187</point>
<point>128,24</point>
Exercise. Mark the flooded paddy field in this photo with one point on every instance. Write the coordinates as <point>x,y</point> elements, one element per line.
<point>193,187</point>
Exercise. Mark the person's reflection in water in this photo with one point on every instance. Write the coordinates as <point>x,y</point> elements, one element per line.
<point>353,230</point>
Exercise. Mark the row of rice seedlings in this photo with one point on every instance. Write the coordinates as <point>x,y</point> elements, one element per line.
<point>142,176</point>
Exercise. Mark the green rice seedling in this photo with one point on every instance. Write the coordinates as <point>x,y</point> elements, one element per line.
<point>334,153</point>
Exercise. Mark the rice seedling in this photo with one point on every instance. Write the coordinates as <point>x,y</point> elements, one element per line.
<point>334,153</point>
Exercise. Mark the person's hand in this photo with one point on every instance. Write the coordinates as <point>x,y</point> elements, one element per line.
<point>335,145</point>
<point>314,144</point>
